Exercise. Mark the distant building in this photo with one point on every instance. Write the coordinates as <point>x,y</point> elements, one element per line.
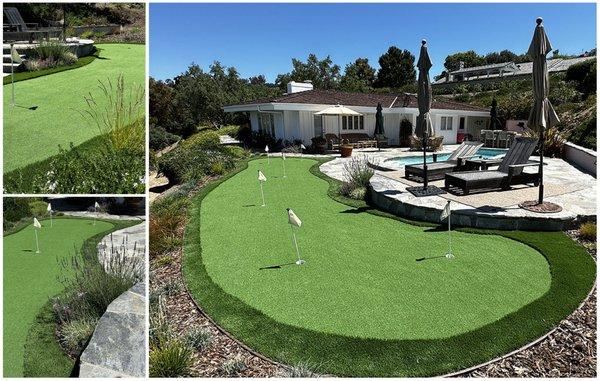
<point>501,71</point>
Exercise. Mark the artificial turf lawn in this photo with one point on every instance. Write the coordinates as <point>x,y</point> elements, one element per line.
<point>31,136</point>
<point>30,279</point>
<point>572,276</point>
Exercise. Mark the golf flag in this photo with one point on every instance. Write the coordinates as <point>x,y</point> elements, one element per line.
<point>15,56</point>
<point>302,147</point>
<point>261,179</point>
<point>267,151</point>
<point>37,226</point>
<point>295,221</point>
<point>293,218</point>
<point>283,157</point>
<point>49,208</point>
<point>446,215</point>
<point>261,176</point>
<point>96,205</point>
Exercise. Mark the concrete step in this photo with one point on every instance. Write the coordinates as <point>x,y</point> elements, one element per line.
<point>6,67</point>
<point>6,57</point>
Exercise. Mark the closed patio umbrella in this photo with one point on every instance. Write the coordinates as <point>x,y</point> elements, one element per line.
<point>424,125</point>
<point>379,124</point>
<point>339,111</point>
<point>542,114</point>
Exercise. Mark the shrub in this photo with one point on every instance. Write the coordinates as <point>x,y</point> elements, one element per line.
<point>171,288</point>
<point>173,359</point>
<point>198,338</point>
<point>163,232</point>
<point>87,34</point>
<point>234,365</point>
<point>160,138</point>
<point>302,369</point>
<point>16,208</point>
<point>584,75</point>
<point>587,231</point>
<point>68,59</point>
<point>160,333</point>
<point>52,50</point>
<point>554,142</point>
<point>73,335</point>
<point>38,208</point>
<point>585,134</point>
<point>357,171</point>
<point>164,260</point>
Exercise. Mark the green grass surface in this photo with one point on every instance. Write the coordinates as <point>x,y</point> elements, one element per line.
<point>363,305</point>
<point>30,279</point>
<point>32,136</point>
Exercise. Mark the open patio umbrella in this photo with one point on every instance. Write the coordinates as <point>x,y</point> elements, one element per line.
<point>379,124</point>
<point>338,111</point>
<point>542,114</point>
<point>424,125</point>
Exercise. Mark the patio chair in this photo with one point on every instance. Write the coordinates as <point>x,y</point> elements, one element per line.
<point>15,28</point>
<point>489,138</point>
<point>510,171</point>
<point>14,22</point>
<point>503,139</point>
<point>333,141</point>
<point>436,171</point>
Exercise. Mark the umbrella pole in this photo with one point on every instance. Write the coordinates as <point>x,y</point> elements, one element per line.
<point>424,159</point>
<point>541,170</point>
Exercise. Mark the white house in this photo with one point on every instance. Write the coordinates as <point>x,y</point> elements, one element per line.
<point>292,115</point>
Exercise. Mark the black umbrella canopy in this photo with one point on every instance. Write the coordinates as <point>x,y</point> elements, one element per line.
<point>495,122</point>
<point>424,92</point>
<point>379,120</point>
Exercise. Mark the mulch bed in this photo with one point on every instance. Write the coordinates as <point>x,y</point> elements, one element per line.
<point>570,351</point>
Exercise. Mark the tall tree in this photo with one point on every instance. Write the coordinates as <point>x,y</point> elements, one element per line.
<point>396,68</point>
<point>358,76</point>
<point>469,58</point>
<point>323,73</point>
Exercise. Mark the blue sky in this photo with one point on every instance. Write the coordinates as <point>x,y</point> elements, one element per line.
<point>263,38</point>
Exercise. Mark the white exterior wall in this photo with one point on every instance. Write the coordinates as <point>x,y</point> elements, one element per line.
<point>449,135</point>
<point>254,120</point>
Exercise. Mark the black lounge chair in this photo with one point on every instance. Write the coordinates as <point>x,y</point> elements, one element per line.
<point>15,28</point>
<point>510,171</point>
<point>436,171</point>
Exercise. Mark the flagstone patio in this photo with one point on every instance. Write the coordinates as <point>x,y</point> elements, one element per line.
<point>565,185</point>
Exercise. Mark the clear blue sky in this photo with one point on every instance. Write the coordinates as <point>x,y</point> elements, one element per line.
<point>263,38</point>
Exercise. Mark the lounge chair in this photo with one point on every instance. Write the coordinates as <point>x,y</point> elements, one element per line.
<point>436,171</point>
<point>15,28</point>
<point>510,171</point>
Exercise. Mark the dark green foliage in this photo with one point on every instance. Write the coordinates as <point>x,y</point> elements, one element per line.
<point>585,134</point>
<point>173,359</point>
<point>92,167</point>
<point>323,74</point>
<point>396,68</point>
<point>16,208</point>
<point>160,138</point>
<point>584,75</point>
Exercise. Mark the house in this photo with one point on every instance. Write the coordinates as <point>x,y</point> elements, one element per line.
<point>292,115</point>
<point>501,71</point>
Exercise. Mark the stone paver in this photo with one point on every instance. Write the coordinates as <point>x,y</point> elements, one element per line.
<point>578,202</point>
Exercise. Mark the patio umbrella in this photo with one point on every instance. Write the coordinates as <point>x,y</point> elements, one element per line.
<point>424,102</point>
<point>542,114</point>
<point>494,114</point>
<point>379,124</point>
<point>338,111</point>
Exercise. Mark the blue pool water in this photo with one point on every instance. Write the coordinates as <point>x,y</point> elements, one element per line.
<point>485,153</point>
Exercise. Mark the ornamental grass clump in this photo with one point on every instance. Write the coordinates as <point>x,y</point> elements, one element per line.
<point>234,365</point>
<point>587,231</point>
<point>357,175</point>
<point>199,338</point>
<point>302,369</point>
<point>73,335</point>
<point>119,114</point>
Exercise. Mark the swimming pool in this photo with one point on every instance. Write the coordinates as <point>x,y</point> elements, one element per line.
<point>485,153</point>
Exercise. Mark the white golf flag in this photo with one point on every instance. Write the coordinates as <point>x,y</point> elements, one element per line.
<point>261,176</point>
<point>293,218</point>
<point>302,146</point>
<point>267,149</point>
<point>445,212</point>
<point>15,56</point>
<point>36,223</point>
<point>96,205</point>
<point>49,207</point>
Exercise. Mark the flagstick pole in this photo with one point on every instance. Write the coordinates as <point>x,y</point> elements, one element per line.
<point>299,261</point>
<point>283,167</point>
<point>37,244</point>
<point>12,75</point>
<point>50,218</point>
<point>268,158</point>
<point>449,255</point>
<point>262,193</point>
<point>95,213</point>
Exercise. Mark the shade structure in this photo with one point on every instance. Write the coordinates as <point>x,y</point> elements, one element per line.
<point>424,93</point>
<point>379,121</point>
<point>494,121</point>
<point>338,110</point>
<point>542,113</point>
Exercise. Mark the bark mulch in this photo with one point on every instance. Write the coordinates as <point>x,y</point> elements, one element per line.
<point>570,351</point>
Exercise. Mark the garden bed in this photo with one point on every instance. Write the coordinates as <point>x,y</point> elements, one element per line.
<point>345,340</point>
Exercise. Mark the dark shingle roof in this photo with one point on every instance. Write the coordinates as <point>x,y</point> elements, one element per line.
<point>332,97</point>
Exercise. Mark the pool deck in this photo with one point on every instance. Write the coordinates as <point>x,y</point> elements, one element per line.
<point>565,185</point>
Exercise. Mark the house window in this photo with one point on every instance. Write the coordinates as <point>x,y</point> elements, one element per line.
<point>266,124</point>
<point>446,123</point>
<point>356,122</point>
<point>461,123</point>
<point>318,123</point>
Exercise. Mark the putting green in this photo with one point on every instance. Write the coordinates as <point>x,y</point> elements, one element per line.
<point>31,136</point>
<point>361,277</point>
<point>30,279</point>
